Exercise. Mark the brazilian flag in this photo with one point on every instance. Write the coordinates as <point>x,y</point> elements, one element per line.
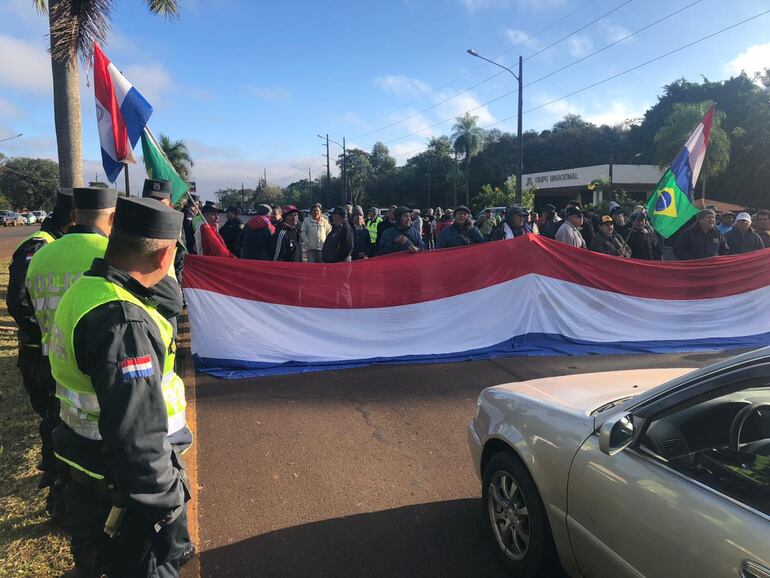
<point>669,208</point>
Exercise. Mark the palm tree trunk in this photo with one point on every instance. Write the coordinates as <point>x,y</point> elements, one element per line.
<point>66,110</point>
<point>454,190</point>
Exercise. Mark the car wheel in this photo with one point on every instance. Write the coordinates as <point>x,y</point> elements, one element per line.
<point>517,520</point>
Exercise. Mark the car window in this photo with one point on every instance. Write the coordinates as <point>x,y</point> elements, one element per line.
<point>722,442</point>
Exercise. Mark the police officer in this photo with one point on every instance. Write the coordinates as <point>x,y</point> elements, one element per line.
<point>160,190</point>
<point>123,428</point>
<point>41,394</point>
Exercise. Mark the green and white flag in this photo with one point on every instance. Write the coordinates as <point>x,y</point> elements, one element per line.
<point>158,166</point>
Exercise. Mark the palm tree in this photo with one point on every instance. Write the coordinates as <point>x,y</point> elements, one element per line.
<point>177,154</point>
<point>74,26</point>
<point>467,138</point>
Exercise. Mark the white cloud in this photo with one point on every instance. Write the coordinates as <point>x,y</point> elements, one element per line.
<point>402,85</point>
<point>150,80</point>
<point>755,59</point>
<point>579,45</point>
<point>613,31</point>
<point>614,111</point>
<point>404,150</point>
<point>269,93</point>
<point>8,109</point>
<point>516,37</point>
<point>24,65</point>
<point>461,104</point>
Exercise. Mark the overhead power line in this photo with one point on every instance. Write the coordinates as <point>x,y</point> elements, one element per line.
<point>594,84</point>
<point>492,77</point>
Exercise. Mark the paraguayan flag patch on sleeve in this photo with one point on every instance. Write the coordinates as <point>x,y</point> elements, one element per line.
<point>136,367</point>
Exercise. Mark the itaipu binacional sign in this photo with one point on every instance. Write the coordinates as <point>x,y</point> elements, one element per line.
<point>582,176</point>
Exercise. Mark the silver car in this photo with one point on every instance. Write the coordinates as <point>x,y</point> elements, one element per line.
<point>613,475</point>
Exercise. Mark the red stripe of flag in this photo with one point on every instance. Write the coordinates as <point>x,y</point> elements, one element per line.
<point>105,94</point>
<point>135,361</point>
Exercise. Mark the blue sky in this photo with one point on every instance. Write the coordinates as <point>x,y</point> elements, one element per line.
<point>249,85</point>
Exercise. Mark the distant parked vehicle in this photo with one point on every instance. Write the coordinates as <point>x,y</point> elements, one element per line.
<point>11,219</point>
<point>29,218</point>
<point>40,215</point>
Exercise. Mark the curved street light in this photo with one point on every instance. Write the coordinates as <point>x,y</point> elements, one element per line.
<point>12,137</point>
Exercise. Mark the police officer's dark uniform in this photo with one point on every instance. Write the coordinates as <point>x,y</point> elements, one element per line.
<point>112,355</point>
<point>40,390</point>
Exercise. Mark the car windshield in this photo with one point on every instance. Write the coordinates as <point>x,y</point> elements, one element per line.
<point>723,443</point>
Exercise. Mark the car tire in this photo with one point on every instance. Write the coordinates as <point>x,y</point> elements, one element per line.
<point>536,556</point>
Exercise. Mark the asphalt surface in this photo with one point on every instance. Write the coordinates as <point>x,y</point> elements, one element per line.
<point>10,237</point>
<point>361,472</point>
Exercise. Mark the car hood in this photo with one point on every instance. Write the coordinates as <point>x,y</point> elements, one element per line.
<point>586,392</point>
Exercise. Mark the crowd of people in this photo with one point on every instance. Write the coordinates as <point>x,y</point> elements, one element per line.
<point>348,234</point>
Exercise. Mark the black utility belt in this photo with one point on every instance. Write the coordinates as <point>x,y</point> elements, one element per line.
<point>103,487</point>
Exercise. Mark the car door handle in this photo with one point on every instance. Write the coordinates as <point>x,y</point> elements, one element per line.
<point>751,569</point>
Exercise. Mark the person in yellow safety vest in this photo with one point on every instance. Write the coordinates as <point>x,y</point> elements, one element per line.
<point>122,405</point>
<point>41,395</point>
<point>373,221</point>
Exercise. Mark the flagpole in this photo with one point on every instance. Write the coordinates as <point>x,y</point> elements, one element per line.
<point>125,174</point>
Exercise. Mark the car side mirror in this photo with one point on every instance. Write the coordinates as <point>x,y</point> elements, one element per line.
<point>616,434</point>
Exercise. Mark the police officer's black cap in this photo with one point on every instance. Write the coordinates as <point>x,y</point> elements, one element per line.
<point>64,200</point>
<point>157,189</point>
<point>147,218</point>
<point>93,198</point>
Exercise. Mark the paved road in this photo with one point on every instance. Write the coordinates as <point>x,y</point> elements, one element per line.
<point>12,236</point>
<point>361,472</point>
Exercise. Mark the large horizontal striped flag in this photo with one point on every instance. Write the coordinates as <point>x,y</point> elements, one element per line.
<point>525,296</point>
<point>121,113</point>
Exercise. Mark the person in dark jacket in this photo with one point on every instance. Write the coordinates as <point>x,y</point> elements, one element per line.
<point>619,219</point>
<point>386,223</point>
<point>231,230</point>
<point>402,237</point>
<point>189,211</point>
<point>763,227</point>
<point>38,388</point>
<point>338,246</point>
<point>514,225</point>
<point>257,235</point>
<point>742,238</point>
<point>286,244</point>
<point>460,233</point>
<point>642,239</point>
<point>362,241</point>
<point>701,239</point>
<point>550,222</point>
<point>607,241</point>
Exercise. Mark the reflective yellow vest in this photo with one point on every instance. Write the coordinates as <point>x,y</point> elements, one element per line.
<point>372,226</point>
<point>47,237</point>
<point>53,269</point>
<point>79,404</point>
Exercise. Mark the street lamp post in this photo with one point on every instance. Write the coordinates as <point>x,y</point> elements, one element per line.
<point>344,164</point>
<point>518,77</point>
<point>12,137</point>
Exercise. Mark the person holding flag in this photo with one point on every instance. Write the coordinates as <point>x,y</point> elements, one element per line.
<point>701,239</point>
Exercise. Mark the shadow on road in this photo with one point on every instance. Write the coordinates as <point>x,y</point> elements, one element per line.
<point>446,539</point>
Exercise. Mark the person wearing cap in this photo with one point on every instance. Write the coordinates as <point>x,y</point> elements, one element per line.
<point>586,228</point>
<point>642,239</point>
<point>570,230</point>
<point>340,242</point>
<point>462,232</point>
<point>160,190</point>
<point>372,225</point>
<point>607,241</point>
<point>742,238</point>
<point>550,221</point>
<point>487,223</point>
<point>231,230</point>
<point>123,407</point>
<point>362,243</point>
<point>257,235</point>
<point>402,236</point>
<point>286,244</point>
<point>208,241</point>
<point>41,395</point>
<point>190,210</point>
<point>314,231</point>
<point>385,224</point>
<point>514,225</point>
<point>618,215</point>
<point>701,239</point>
<point>726,222</point>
